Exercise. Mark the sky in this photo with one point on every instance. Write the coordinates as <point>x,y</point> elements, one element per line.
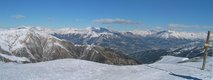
<point>186,15</point>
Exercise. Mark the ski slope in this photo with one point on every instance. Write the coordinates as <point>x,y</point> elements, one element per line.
<point>74,69</point>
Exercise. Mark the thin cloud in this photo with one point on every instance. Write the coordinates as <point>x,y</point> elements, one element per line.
<point>114,21</point>
<point>18,16</point>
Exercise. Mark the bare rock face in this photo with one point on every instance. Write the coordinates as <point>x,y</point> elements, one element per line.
<point>37,46</point>
<point>104,55</point>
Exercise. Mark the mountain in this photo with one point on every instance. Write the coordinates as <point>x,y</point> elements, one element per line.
<point>28,44</point>
<point>144,45</point>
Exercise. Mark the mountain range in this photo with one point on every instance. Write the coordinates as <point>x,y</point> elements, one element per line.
<point>36,44</point>
<point>145,46</point>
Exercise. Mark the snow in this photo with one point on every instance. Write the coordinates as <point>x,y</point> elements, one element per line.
<point>11,39</point>
<point>171,34</point>
<point>185,59</point>
<point>180,35</point>
<point>142,32</point>
<point>14,58</point>
<point>90,32</point>
<point>89,47</point>
<point>78,45</point>
<point>170,59</point>
<point>74,69</point>
<point>61,46</point>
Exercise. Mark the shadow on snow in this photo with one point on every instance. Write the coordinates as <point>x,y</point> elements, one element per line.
<point>184,76</point>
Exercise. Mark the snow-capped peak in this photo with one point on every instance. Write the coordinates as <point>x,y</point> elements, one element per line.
<point>179,35</point>
<point>170,34</point>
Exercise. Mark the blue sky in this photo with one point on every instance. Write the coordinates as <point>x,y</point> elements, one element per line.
<point>191,15</point>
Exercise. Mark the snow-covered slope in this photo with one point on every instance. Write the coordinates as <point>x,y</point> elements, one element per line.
<point>26,42</point>
<point>11,39</point>
<point>73,69</point>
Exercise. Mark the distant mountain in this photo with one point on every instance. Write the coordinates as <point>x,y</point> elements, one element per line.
<point>146,46</point>
<point>27,44</point>
<point>142,39</point>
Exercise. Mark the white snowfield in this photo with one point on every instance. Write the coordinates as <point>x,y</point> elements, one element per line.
<point>74,69</point>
